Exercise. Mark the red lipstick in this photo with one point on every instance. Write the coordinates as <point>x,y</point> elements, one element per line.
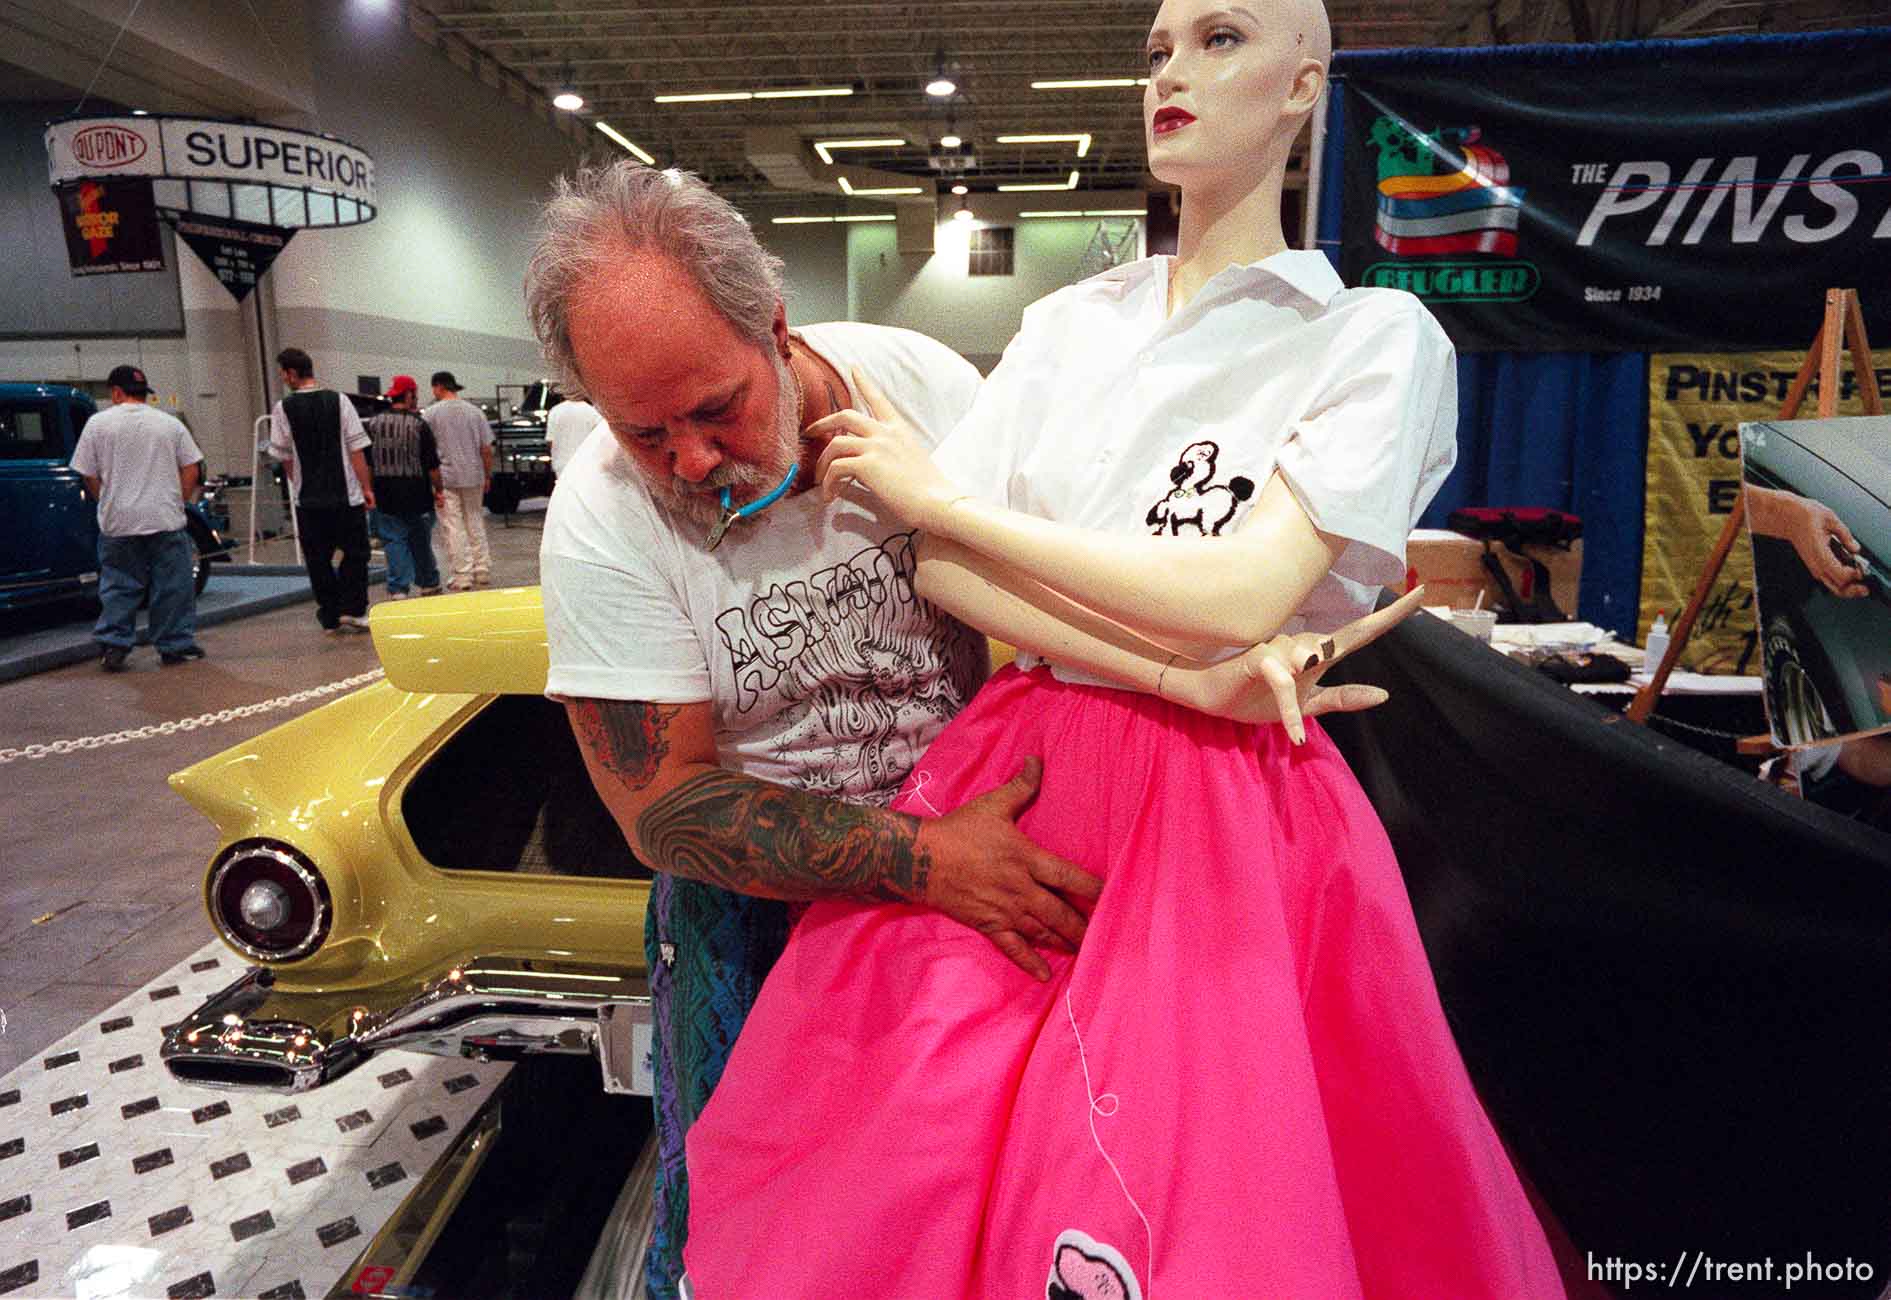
<point>1169,119</point>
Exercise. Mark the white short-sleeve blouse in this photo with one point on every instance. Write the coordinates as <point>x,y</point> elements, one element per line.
<point>1107,413</point>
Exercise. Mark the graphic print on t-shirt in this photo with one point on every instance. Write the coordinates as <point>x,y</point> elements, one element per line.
<point>849,649</point>
<point>1195,501</point>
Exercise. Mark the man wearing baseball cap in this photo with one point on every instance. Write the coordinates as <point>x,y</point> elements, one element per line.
<point>141,465</point>
<point>406,468</point>
<point>464,439</point>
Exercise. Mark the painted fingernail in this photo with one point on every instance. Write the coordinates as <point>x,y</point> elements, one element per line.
<point>1313,661</point>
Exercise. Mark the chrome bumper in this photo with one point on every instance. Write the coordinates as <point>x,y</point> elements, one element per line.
<point>254,1037</point>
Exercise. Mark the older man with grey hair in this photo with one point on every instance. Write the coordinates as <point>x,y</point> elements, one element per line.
<point>746,666</point>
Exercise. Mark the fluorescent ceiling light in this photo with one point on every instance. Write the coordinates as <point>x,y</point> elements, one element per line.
<point>722,96</point>
<point>950,141</point>
<point>1089,212</point>
<point>613,134</point>
<point>960,189</point>
<point>822,147</point>
<point>847,187</point>
<point>963,214</point>
<point>806,92</point>
<point>568,100</point>
<point>1070,184</point>
<point>1090,83</point>
<point>817,221</point>
<point>942,87</point>
<point>1080,138</point>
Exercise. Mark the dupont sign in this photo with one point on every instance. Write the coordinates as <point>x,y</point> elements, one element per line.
<point>108,146</point>
<point>293,167</point>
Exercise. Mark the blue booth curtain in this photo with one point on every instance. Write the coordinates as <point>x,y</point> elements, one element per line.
<point>1566,430</point>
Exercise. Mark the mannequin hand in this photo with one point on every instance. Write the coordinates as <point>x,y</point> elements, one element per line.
<point>881,452</point>
<point>1279,680</point>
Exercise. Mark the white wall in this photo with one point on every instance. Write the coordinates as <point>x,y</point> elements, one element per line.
<point>974,315</point>
<point>814,268</point>
<point>434,282</point>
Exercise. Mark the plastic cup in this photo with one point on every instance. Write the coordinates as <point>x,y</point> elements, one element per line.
<point>1478,622</point>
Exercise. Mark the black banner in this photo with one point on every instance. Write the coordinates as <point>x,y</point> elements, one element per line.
<point>111,227</point>
<point>237,252</point>
<point>1635,197</point>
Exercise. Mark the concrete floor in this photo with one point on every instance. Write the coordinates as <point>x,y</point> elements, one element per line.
<point>101,866</point>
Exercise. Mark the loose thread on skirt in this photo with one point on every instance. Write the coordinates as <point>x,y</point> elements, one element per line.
<point>1096,1108</point>
<point>917,794</point>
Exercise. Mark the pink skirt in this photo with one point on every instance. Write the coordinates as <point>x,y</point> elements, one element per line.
<point>1243,1085</point>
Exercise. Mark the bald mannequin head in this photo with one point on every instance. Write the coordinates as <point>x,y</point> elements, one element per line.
<point>1231,83</point>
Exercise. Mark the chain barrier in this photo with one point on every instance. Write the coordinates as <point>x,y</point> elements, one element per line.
<point>188,724</point>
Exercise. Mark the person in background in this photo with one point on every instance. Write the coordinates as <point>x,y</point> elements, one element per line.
<point>569,424</point>
<point>317,435</point>
<point>407,489</point>
<point>464,440</point>
<point>141,466</point>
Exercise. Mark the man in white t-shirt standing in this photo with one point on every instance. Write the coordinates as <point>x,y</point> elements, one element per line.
<point>141,465</point>
<point>566,428</point>
<point>747,668</point>
<point>464,438</point>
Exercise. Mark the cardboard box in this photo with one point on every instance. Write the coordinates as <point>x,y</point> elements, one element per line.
<point>1452,568</point>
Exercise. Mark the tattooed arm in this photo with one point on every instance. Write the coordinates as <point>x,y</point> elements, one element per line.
<point>655,767</point>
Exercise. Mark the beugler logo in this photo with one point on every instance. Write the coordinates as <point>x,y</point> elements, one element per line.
<point>108,146</point>
<point>1446,196</point>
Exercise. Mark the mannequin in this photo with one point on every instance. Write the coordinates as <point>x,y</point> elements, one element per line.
<point>1242,1083</point>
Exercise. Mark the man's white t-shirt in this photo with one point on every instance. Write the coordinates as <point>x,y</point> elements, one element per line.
<point>826,670</point>
<point>1107,412</point>
<point>136,451</point>
<point>460,431</point>
<point>566,428</point>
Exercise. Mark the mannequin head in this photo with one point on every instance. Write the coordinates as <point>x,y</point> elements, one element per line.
<point>1231,83</point>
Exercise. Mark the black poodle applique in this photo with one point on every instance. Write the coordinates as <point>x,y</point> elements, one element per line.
<point>1196,502</point>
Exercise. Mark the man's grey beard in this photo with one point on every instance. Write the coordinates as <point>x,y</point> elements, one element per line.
<point>702,502</point>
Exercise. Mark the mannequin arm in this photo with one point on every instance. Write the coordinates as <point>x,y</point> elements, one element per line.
<point>1276,681</point>
<point>1224,591</point>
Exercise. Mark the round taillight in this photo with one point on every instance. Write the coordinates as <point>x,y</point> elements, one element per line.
<point>269,900</point>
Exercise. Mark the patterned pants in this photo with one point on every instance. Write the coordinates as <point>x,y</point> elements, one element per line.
<point>709,951</point>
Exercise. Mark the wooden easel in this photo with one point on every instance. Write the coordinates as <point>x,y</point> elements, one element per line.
<point>1843,320</point>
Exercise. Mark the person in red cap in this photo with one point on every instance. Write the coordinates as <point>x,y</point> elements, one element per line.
<point>141,465</point>
<point>407,490</point>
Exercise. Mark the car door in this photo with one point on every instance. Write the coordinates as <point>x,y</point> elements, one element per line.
<point>48,528</point>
